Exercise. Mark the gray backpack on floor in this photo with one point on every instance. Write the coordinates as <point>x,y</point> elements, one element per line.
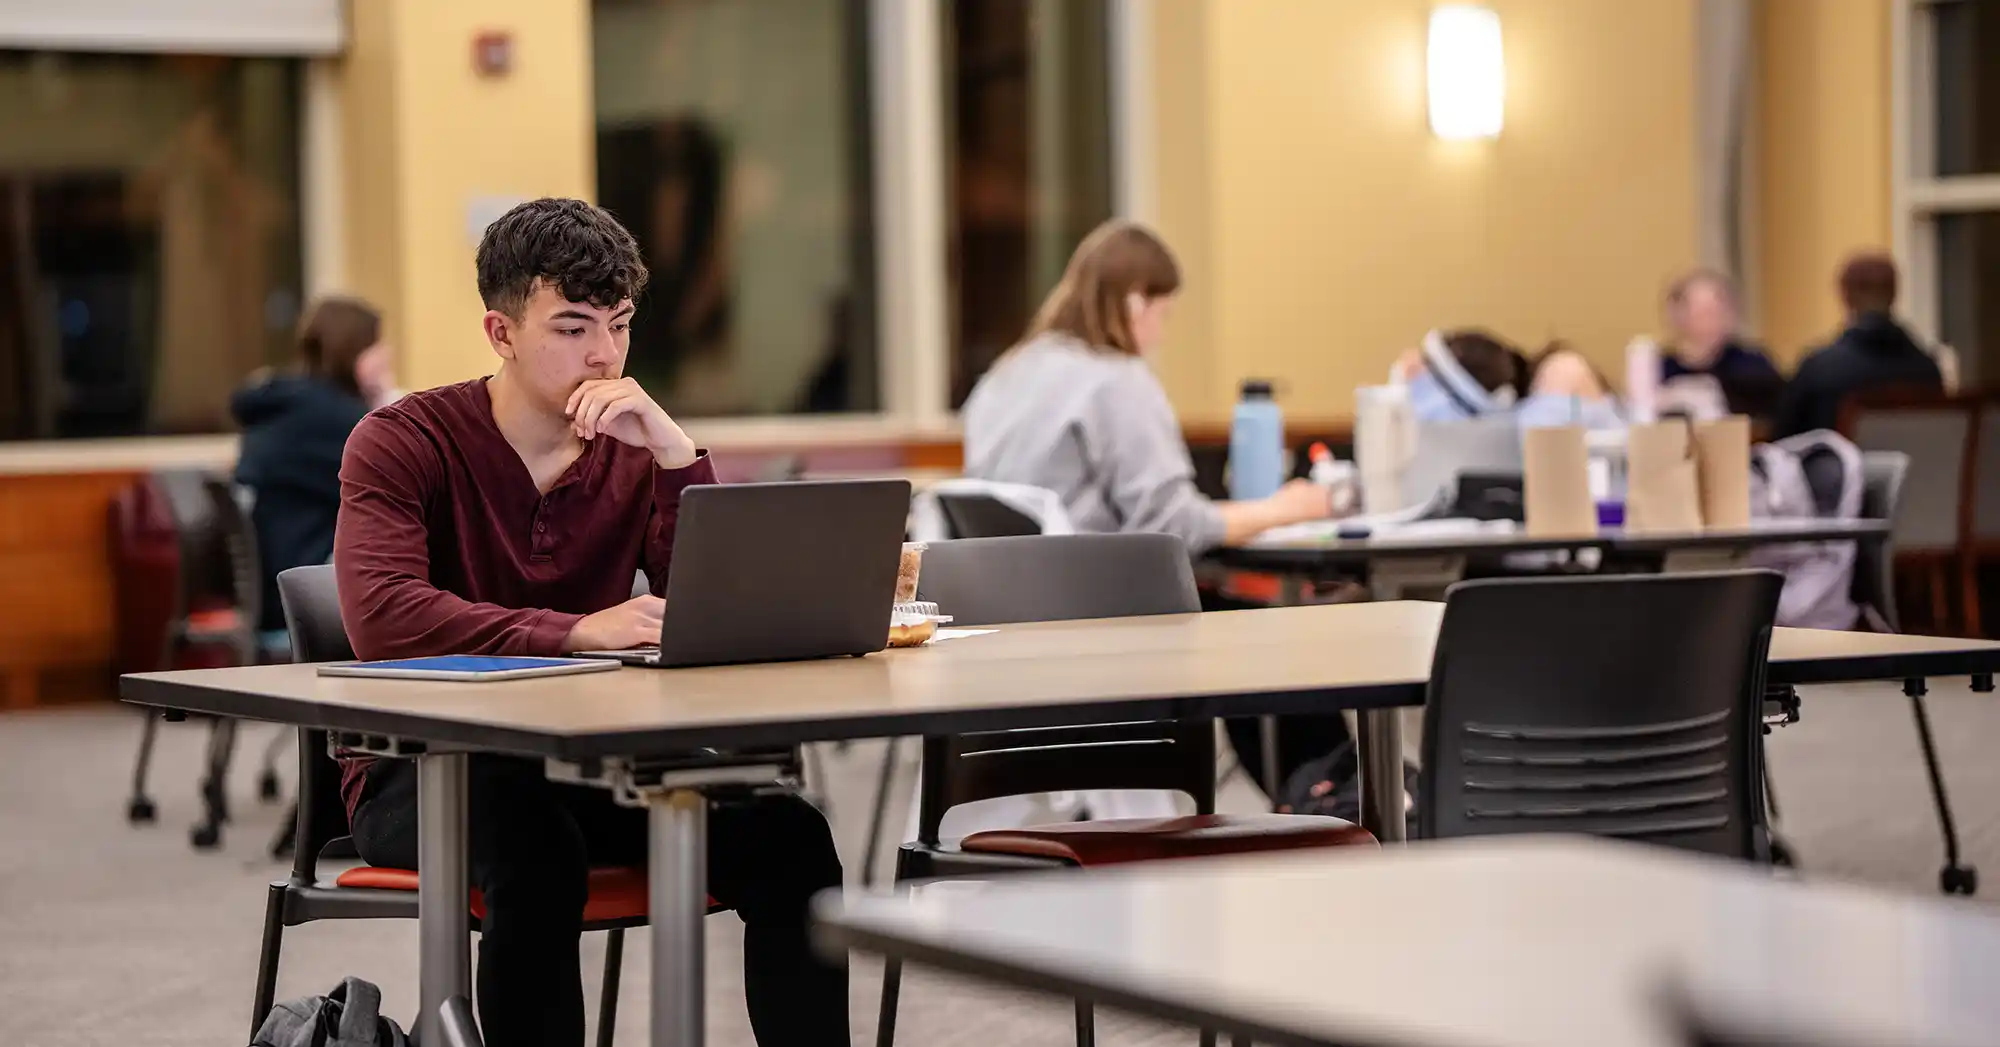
<point>349,1016</point>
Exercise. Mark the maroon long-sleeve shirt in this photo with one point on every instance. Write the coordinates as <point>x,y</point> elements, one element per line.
<point>445,546</point>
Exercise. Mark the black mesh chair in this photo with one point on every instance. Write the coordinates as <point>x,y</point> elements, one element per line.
<point>1060,578</point>
<point>617,897</point>
<point>1625,706</point>
<point>217,604</point>
<point>982,516</point>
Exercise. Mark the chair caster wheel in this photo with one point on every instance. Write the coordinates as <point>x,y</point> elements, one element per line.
<point>1782,856</point>
<point>267,787</point>
<point>205,837</point>
<point>140,811</point>
<point>1959,879</point>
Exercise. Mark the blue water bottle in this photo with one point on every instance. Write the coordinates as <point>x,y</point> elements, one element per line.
<point>1256,444</point>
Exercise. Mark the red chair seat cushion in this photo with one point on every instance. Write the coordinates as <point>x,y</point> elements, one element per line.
<point>1114,840</point>
<point>214,619</point>
<point>615,893</point>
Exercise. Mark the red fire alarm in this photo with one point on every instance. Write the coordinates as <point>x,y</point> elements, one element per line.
<point>493,53</point>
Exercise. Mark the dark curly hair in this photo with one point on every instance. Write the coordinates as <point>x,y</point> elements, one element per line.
<point>580,250</point>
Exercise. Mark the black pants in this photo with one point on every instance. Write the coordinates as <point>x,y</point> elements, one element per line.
<point>533,843</point>
<point>1301,740</point>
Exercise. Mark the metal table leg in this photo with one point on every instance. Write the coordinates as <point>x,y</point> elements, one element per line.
<point>1267,737</point>
<point>1380,745</point>
<point>1378,733</point>
<point>884,782</point>
<point>678,820</point>
<point>456,1021</point>
<point>444,921</point>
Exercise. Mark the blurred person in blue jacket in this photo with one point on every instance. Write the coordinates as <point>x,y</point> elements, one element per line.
<point>1458,375</point>
<point>295,426</point>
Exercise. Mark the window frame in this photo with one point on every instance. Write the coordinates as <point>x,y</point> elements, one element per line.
<point>1919,196</point>
<point>912,295</point>
<point>906,127</point>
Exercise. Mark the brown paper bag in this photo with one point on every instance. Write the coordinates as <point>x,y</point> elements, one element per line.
<point>1722,454</point>
<point>1556,483</point>
<point>1662,479</point>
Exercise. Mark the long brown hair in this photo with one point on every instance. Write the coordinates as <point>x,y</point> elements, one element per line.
<point>333,335</point>
<point>1088,304</point>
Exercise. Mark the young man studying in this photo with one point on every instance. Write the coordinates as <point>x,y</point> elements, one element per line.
<point>506,515</point>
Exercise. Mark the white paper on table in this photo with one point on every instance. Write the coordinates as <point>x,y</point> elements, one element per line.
<point>1376,523</point>
<point>958,634</point>
<point>1447,527</point>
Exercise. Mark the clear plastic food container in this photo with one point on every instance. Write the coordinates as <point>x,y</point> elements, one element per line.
<point>912,623</point>
<point>907,571</point>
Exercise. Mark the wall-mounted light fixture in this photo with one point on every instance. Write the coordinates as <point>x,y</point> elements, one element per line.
<point>1468,74</point>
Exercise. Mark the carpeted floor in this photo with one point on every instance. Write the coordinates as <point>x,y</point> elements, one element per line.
<point>125,936</point>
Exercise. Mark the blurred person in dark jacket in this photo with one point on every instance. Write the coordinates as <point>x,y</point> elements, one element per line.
<point>295,426</point>
<point>1873,353</point>
<point>1702,310</point>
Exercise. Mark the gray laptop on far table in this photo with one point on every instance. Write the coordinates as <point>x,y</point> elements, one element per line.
<point>770,572</point>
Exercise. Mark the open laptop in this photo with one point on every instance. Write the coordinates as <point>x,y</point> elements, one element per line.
<point>769,572</point>
<point>1490,444</point>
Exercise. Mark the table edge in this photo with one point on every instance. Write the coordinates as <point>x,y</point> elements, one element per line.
<point>1873,668</point>
<point>1303,552</point>
<point>469,734</point>
<point>830,934</point>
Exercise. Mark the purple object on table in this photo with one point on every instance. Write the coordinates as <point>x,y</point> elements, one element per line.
<point>1610,514</point>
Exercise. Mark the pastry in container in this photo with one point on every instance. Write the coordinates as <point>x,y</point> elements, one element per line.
<point>913,623</point>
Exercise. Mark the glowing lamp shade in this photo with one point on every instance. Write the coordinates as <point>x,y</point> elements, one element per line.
<point>1468,75</point>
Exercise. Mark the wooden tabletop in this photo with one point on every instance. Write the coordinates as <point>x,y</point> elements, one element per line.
<point>1172,666</point>
<point>1474,943</point>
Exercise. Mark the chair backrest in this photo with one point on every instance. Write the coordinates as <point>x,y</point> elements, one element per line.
<point>1616,706</point>
<point>983,516</point>
<point>1043,578</point>
<point>206,570</point>
<point>312,617</point>
<point>218,554</point>
<point>312,614</point>
<point>1986,474</point>
<point>1874,587</point>
<point>1938,433</point>
<point>231,506</point>
<point>1058,577</point>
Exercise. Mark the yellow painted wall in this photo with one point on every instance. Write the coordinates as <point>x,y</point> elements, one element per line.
<point>365,81</point>
<point>1333,229</point>
<point>1824,85</point>
<point>1182,104</point>
<point>1322,228</point>
<point>426,137</point>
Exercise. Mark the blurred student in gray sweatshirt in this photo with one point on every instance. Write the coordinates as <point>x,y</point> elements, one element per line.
<point>1077,409</point>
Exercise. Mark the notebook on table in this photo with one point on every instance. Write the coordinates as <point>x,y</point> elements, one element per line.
<point>467,667</point>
